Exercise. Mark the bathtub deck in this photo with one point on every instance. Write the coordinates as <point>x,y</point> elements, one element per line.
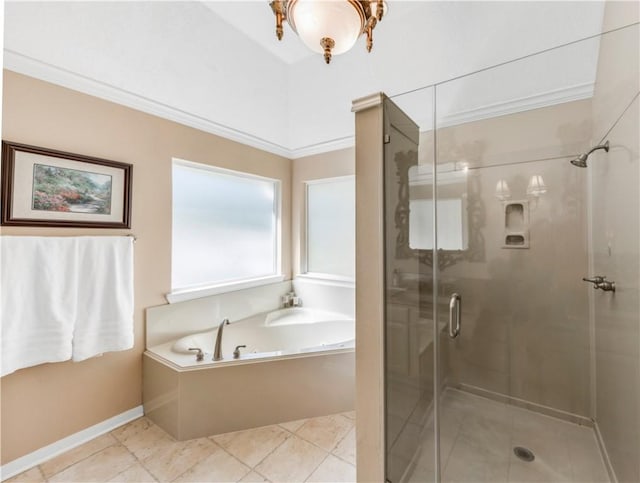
<point>314,450</point>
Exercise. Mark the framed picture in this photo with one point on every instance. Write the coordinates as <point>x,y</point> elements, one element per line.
<point>42,187</point>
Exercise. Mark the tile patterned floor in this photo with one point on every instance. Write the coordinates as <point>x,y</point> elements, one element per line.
<point>314,450</point>
<point>478,436</point>
<point>476,446</point>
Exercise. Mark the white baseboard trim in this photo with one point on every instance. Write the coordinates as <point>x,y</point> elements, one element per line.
<point>41,455</point>
<point>605,454</point>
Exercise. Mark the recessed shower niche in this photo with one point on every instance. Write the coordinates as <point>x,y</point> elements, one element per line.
<point>516,224</point>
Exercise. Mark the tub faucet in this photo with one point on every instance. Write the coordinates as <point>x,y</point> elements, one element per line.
<point>217,351</point>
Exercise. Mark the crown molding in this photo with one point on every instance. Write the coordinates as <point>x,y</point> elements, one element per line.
<point>324,147</point>
<point>546,99</point>
<point>26,65</point>
<point>38,69</point>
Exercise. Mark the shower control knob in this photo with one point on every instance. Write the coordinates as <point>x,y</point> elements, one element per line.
<point>595,280</point>
<point>601,283</point>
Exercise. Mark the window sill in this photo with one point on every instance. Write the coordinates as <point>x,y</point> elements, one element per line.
<point>327,279</point>
<point>200,292</point>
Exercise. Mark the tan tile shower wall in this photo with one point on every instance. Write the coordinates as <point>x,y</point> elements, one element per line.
<point>43,404</point>
<point>525,312</point>
<point>615,245</point>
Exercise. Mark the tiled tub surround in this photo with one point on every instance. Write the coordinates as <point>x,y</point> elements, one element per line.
<point>191,399</point>
<point>172,321</point>
<point>314,450</point>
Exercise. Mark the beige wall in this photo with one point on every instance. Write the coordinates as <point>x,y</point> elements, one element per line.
<point>615,247</point>
<point>43,404</point>
<point>326,165</point>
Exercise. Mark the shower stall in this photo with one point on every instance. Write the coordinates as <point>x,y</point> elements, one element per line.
<point>509,321</point>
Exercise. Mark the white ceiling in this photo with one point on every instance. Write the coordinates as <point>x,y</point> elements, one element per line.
<point>256,21</point>
<point>218,66</point>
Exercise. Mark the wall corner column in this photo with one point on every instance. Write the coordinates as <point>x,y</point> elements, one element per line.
<point>370,443</point>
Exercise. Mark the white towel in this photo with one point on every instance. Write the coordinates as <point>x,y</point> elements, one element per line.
<point>104,318</point>
<point>38,302</point>
<point>64,297</point>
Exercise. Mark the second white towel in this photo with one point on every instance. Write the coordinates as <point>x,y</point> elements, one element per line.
<point>104,319</point>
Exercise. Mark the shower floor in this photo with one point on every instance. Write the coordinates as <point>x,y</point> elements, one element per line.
<point>478,436</point>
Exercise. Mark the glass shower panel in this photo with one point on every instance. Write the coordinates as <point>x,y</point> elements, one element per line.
<point>409,351</point>
<point>513,249</point>
<point>490,230</point>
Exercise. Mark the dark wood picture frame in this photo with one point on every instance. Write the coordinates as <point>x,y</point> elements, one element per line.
<point>16,171</point>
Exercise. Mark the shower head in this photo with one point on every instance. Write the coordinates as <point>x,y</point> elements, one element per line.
<point>581,161</point>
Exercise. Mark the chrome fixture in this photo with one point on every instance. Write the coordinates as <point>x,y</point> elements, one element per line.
<point>581,161</point>
<point>601,283</point>
<point>455,307</point>
<point>291,300</point>
<point>217,351</point>
<point>329,27</point>
<point>199,355</point>
<point>236,352</point>
<point>606,286</point>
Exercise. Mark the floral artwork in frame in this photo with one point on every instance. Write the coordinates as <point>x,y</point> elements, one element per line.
<point>43,187</point>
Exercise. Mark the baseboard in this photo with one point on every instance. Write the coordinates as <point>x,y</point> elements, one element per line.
<point>521,403</point>
<point>605,454</point>
<point>41,455</point>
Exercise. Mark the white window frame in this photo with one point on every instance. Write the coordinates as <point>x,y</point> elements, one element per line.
<point>207,289</point>
<point>304,258</point>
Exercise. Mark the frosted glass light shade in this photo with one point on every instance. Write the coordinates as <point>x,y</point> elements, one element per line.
<point>339,20</point>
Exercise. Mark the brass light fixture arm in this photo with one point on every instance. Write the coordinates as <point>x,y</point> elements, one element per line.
<point>280,11</point>
<point>371,24</point>
<point>380,9</point>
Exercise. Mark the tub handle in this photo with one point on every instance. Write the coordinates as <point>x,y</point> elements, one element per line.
<point>236,352</point>
<point>199,355</point>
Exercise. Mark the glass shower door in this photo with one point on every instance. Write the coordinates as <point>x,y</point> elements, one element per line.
<point>409,357</point>
<point>512,243</point>
<point>495,368</point>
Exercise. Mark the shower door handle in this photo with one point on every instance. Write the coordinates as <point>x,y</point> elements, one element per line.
<point>455,312</point>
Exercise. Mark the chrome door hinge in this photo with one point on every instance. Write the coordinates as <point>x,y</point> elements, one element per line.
<point>387,139</point>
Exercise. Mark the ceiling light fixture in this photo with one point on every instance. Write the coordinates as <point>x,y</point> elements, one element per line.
<point>329,27</point>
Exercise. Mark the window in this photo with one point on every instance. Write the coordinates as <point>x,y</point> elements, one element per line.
<point>331,227</point>
<point>225,227</point>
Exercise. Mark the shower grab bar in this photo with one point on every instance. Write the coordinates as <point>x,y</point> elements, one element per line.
<point>455,307</point>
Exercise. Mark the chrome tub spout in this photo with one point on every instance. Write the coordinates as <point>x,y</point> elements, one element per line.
<point>217,352</point>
